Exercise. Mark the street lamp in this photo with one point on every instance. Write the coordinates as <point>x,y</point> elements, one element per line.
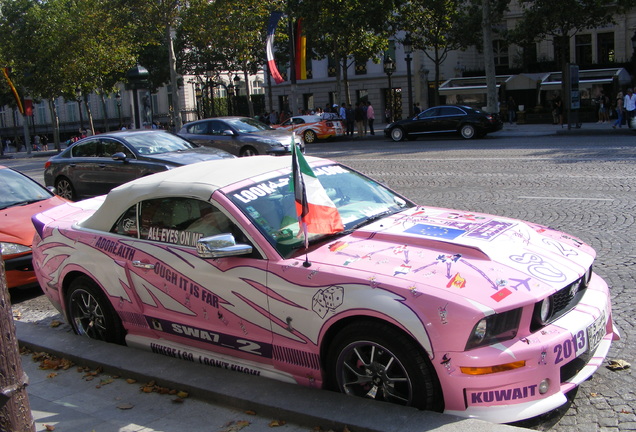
<point>389,68</point>
<point>118,101</point>
<point>197,95</point>
<point>407,43</point>
<point>78,94</point>
<point>237,89</point>
<point>230,99</point>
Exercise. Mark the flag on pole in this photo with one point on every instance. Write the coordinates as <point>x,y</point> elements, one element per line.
<point>301,51</point>
<point>316,212</point>
<point>269,46</point>
<point>5,72</point>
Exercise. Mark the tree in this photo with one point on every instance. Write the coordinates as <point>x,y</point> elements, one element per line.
<point>355,30</point>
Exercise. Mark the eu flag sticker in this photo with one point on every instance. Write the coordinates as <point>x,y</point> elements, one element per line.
<point>435,231</point>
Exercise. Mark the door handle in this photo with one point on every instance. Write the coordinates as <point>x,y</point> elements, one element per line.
<point>142,265</point>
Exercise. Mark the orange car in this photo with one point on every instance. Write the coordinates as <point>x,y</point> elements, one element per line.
<point>313,127</point>
<point>20,199</point>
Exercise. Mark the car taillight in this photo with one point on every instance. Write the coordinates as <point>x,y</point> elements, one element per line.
<point>47,164</point>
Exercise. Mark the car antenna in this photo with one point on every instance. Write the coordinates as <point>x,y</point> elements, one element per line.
<point>306,264</point>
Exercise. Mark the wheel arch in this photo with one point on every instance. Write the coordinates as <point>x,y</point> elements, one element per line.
<point>330,333</point>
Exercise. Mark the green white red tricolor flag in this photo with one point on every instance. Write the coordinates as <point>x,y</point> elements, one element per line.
<point>316,212</point>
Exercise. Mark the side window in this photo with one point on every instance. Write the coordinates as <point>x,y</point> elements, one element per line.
<point>86,149</point>
<point>127,223</point>
<point>431,112</point>
<point>111,146</point>
<point>216,127</point>
<point>181,221</point>
<point>199,128</point>
<point>450,111</point>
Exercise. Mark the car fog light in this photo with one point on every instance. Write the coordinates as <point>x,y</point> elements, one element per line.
<point>544,386</point>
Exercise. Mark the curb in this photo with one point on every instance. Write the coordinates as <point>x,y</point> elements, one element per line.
<point>293,403</point>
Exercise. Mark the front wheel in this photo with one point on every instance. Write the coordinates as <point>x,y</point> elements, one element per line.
<point>64,188</point>
<point>91,314</point>
<point>397,134</point>
<point>248,151</point>
<point>467,131</point>
<point>375,361</point>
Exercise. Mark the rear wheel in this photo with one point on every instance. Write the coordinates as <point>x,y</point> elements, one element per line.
<point>64,188</point>
<point>467,131</point>
<point>397,134</point>
<point>310,136</point>
<point>376,361</point>
<point>248,151</point>
<point>91,314</point>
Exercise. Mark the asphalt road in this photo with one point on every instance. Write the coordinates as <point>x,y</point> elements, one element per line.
<point>583,185</point>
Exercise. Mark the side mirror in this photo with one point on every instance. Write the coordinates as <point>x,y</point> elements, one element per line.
<point>221,245</point>
<point>229,132</point>
<point>120,156</point>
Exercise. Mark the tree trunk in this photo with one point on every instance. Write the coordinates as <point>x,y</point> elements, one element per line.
<point>492,105</point>
<point>89,114</point>
<point>56,125</point>
<point>15,410</point>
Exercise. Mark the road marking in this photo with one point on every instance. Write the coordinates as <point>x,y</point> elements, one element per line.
<point>566,198</point>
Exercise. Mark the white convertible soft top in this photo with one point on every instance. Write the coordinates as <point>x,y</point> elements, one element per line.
<point>198,180</point>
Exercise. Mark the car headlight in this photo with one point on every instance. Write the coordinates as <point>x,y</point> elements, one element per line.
<point>494,328</point>
<point>543,312</point>
<point>13,248</point>
<point>272,143</point>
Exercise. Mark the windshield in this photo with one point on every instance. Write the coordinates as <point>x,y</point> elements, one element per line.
<point>270,205</point>
<point>18,189</point>
<point>248,125</point>
<point>156,143</point>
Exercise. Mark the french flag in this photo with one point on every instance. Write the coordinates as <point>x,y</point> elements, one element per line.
<point>269,46</point>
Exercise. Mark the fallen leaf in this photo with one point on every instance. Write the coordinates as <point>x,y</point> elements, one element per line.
<point>624,411</point>
<point>131,381</point>
<point>55,323</point>
<point>49,427</point>
<point>106,381</point>
<point>618,365</point>
<point>593,394</point>
<point>235,426</point>
<point>52,375</point>
<point>276,423</point>
<point>177,400</point>
<point>125,406</point>
<point>182,394</point>
<point>250,412</point>
<point>147,389</point>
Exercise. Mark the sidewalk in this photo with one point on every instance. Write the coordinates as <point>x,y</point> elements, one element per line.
<point>219,400</point>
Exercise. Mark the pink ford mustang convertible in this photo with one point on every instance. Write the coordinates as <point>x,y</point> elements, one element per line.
<point>469,314</point>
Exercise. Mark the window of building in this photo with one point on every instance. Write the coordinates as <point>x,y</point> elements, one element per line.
<point>500,51</point>
<point>332,67</point>
<point>605,48</point>
<point>362,96</point>
<point>40,113</point>
<point>308,101</point>
<point>583,49</point>
<point>361,68</point>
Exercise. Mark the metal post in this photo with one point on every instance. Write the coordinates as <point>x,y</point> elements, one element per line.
<point>408,49</point>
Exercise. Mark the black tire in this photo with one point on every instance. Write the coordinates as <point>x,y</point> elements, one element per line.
<point>65,189</point>
<point>467,131</point>
<point>397,134</point>
<point>91,314</point>
<point>357,365</point>
<point>310,136</point>
<point>248,151</point>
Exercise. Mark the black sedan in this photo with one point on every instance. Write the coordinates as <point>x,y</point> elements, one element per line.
<point>445,119</point>
<point>241,136</point>
<point>94,165</point>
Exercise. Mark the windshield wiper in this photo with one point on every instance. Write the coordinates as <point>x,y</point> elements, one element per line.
<point>22,203</point>
<point>373,218</point>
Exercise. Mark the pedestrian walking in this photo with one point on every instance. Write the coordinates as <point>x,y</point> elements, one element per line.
<point>512,110</point>
<point>619,110</point>
<point>629,105</point>
<point>359,116</point>
<point>45,142</point>
<point>350,120</point>
<point>370,117</point>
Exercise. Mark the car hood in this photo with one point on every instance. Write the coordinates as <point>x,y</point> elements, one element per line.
<point>15,222</point>
<point>486,259</point>
<point>187,157</point>
<point>282,136</point>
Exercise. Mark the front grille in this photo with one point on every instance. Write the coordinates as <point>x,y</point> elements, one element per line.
<point>563,301</point>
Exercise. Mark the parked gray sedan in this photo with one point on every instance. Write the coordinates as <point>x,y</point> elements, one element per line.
<point>241,136</point>
<point>94,165</point>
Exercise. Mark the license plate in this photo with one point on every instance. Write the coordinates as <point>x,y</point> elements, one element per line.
<point>596,332</point>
